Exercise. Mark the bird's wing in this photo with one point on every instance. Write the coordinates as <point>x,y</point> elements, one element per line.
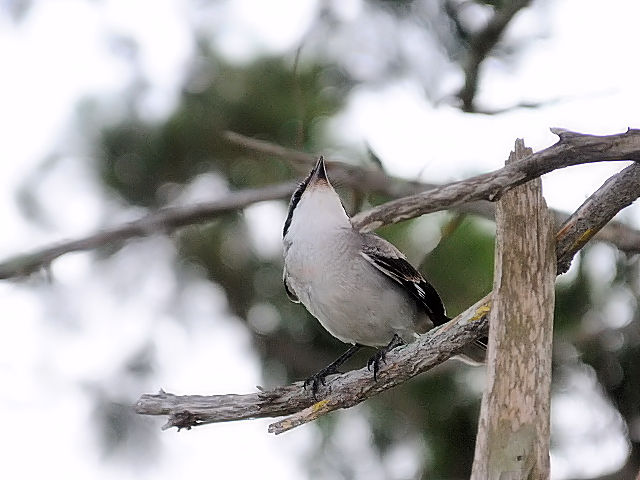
<point>391,262</point>
<point>287,288</point>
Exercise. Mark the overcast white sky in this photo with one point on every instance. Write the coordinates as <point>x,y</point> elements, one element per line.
<point>58,56</point>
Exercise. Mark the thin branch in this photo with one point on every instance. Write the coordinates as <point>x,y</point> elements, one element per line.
<point>620,236</point>
<point>351,388</point>
<point>294,156</point>
<point>362,179</point>
<point>452,9</point>
<point>481,44</point>
<point>572,149</point>
<point>163,221</point>
<point>467,196</point>
<point>168,219</point>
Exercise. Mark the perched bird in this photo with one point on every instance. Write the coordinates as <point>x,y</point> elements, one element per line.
<point>360,287</point>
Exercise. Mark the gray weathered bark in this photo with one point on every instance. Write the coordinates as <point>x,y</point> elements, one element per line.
<point>341,391</point>
<point>513,432</point>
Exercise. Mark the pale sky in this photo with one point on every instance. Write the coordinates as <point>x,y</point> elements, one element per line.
<point>58,56</point>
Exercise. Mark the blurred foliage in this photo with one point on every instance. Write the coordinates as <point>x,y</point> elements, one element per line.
<point>265,99</point>
<point>468,249</point>
<point>269,98</point>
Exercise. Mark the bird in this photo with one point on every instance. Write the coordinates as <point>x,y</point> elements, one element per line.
<point>359,286</point>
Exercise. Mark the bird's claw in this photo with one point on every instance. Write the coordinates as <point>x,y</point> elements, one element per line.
<point>379,356</point>
<point>319,378</point>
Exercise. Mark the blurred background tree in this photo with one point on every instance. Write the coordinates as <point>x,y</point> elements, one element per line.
<point>291,98</point>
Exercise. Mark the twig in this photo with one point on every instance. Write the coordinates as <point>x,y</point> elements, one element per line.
<point>620,235</point>
<point>370,180</point>
<point>293,156</point>
<point>346,390</point>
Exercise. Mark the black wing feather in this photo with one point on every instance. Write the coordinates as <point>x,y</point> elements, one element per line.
<point>391,262</point>
<point>400,270</point>
<point>431,300</point>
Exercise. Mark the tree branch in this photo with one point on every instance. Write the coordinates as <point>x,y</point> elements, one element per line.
<point>341,391</point>
<point>572,149</point>
<point>346,390</point>
<point>163,221</point>
<point>481,44</point>
<point>619,191</point>
<point>618,234</point>
<point>588,221</point>
<point>466,196</point>
<point>341,173</point>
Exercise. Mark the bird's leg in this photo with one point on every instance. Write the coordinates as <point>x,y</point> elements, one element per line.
<point>319,377</point>
<point>381,355</point>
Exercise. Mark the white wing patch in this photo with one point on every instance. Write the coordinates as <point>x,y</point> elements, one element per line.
<point>406,279</point>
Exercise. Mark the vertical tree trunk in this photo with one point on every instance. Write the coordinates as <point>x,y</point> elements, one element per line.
<point>513,431</point>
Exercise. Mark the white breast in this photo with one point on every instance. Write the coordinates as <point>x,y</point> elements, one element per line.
<point>354,301</point>
<point>351,299</point>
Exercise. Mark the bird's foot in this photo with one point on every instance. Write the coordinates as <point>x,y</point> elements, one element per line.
<point>381,355</point>
<point>378,357</point>
<point>319,378</point>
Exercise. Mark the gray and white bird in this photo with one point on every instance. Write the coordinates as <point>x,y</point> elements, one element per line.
<point>360,287</point>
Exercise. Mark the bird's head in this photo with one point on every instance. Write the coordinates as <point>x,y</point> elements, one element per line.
<point>315,205</point>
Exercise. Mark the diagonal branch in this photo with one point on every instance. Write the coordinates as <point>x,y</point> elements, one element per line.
<point>341,173</point>
<point>466,196</point>
<point>431,349</point>
<point>572,149</point>
<point>341,391</point>
<point>618,192</point>
<point>622,236</point>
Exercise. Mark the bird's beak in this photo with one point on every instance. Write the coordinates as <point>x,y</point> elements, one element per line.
<point>319,174</point>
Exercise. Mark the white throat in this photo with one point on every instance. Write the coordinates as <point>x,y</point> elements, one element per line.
<point>318,213</point>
